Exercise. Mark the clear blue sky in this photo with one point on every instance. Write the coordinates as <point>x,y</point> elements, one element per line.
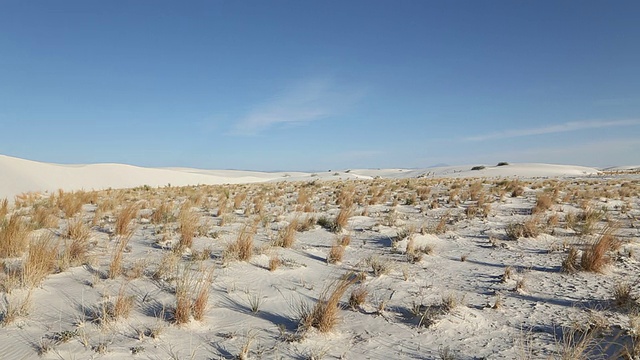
<point>313,85</point>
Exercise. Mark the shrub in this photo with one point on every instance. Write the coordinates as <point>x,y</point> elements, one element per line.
<point>503,163</point>
<point>479,167</point>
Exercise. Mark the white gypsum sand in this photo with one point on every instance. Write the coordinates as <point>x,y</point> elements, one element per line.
<point>433,248</point>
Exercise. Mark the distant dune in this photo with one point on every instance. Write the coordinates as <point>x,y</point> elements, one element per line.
<point>18,175</point>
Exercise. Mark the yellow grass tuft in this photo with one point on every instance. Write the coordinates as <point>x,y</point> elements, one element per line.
<point>13,237</point>
<point>124,219</point>
<point>39,261</point>
<point>594,257</point>
<point>188,221</point>
<point>324,314</point>
<point>4,208</point>
<point>336,253</point>
<point>242,248</point>
<point>115,266</point>
<point>286,236</point>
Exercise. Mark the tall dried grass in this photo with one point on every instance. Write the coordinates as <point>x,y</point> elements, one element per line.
<point>324,314</point>
<point>14,237</point>
<point>242,248</point>
<point>39,262</point>
<point>188,221</point>
<point>115,266</point>
<point>124,219</point>
<point>4,208</point>
<point>286,236</point>
<point>594,257</point>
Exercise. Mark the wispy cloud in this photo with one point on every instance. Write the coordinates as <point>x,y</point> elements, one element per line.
<point>552,129</point>
<point>306,101</point>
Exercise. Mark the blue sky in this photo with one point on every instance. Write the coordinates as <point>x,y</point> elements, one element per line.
<point>312,85</point>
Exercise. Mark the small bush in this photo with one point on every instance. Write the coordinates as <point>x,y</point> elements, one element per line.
<point>503,163</point>
<point>479,167</point>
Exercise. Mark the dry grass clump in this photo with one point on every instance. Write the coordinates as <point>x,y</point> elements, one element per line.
<point>14,237</point>
<point>588,219</point>
<point>594,257</point>
<point>358,297</point>
<point>201,291</point>
<point>188,221</point>
<point>15,308</point>
<point>528,229</point>
<point>43,217</point>
<point>286,236</point>
<point>115,266</point>
<point>238,199</point>
<point>274,262</point>
<point>4,208</point>
<point>336,253</point>
<point>123,305</point>
<point>622,296</point>
<point>192,294</point>
<point>70,203</point>
<point>124,219</point>
<point>343,218</point>
<point>163,214</point>
<point>77,230</point>
<point>166,267</point>
<point>242,248</point>
<point>544,202</point>
<point>307,224</point>
<point>378,265</point>
<point>324,314</point>
<point>570,263</point>
<point>40,261</point>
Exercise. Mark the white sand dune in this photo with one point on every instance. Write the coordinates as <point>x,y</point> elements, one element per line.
<point>19,176</point>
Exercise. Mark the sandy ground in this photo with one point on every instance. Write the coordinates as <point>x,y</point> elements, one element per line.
<point>470,264</point>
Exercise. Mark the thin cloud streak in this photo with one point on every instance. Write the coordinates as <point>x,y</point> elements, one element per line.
<point>310,100</point>
<point>552,129</point>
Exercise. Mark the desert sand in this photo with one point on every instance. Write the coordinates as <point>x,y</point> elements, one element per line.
<point>439,263</point>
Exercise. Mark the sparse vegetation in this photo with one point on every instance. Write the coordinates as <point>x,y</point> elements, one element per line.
<point>384,230</point>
